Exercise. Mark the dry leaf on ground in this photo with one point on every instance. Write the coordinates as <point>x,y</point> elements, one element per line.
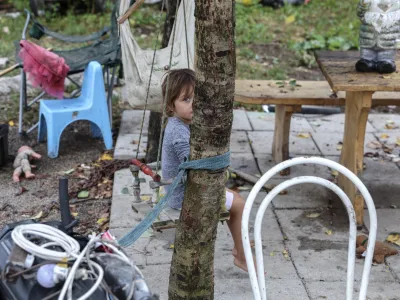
<point>394,238</point>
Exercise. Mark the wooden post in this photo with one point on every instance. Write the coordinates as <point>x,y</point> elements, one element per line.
<point>358,105</point>
<point>280,145</point>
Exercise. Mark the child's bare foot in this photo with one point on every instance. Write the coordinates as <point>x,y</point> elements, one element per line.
<point>234,251</point>
<point>241,264</point>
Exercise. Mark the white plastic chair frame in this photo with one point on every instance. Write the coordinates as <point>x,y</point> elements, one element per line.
<point>259,290</point>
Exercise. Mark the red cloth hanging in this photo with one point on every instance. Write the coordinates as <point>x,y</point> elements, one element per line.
<point>45,69</point>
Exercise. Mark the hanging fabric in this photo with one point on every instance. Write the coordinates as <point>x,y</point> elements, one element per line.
<point>137,62</point>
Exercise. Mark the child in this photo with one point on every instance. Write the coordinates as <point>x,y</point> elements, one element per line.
<point>175,148</point>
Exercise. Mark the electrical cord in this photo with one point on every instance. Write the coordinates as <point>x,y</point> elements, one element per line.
<point>66,248</point>
<point>55,236</point>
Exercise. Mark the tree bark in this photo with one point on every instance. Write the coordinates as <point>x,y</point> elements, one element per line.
<point>192,268</point>
<point>155,119</point>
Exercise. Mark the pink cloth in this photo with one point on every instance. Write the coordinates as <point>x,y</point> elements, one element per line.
<point>45,68</point>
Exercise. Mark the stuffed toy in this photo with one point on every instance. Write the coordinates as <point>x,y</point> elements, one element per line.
<point>379,31</point>
<point>380,252</point>
<point>22,164</point>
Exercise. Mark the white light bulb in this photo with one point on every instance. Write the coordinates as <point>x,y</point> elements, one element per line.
<point>45,276</point>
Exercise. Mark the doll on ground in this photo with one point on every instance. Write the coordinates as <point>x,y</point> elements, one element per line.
<point>22,163</point>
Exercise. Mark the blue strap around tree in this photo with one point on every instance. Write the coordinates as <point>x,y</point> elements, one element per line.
<point>210,163</point>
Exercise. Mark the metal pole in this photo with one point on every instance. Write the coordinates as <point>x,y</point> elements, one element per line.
<point>66,218</point>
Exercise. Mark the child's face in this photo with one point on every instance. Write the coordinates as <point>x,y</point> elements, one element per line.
<point>183,106</point>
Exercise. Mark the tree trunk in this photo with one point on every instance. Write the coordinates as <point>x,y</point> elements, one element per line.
<point>155,119</point>
<point>192,268</point>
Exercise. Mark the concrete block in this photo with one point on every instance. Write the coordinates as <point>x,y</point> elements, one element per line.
<point>131,121</point>
<point>126,146</point>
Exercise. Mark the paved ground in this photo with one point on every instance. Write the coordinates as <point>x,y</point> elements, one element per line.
<point>316,266</point>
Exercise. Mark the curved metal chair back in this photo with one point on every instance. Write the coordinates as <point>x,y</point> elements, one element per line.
<point>258,283</point>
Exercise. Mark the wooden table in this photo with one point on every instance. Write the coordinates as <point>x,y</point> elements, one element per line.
<point>339,70</point>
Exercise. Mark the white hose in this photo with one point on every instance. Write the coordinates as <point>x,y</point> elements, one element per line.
<point>55,236</point>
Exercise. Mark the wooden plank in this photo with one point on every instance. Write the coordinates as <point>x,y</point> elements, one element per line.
<point>339,69</point>
<point>307,93</point>
<point>358,105</point>
<point>280,145</point>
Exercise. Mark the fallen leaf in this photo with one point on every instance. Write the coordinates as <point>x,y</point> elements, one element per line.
<point>290,19</point>
<point>74,214</point>
<point>101,220</point>
<point>334,173</point>
<point>172,246</point>
<point>339,146</point>
<point>38,216</point>
<point>328,232</point>
<point>272,253</point>
<point>145,198</point>
<point>284,192</point>
<point>384,136</point>
<point>386,76</point>
<point>313,215</point>
<point>6,29</point>
<point>286,254</point>
<point>106,156</point>
<point>135,142</point>
<point>304,135</point>
<point>83,194</point>
<point>398,141</point>
<point>69,171</point>
<point>394,238</point>
<point>11,123</point>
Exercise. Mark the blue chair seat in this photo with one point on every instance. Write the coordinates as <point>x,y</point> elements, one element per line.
<point>91,105</point>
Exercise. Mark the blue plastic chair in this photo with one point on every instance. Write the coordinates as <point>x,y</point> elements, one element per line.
<point>91,105</point>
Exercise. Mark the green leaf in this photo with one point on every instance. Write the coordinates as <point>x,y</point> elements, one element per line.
<point>83,194</point>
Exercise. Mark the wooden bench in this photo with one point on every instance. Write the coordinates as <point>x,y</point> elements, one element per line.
<point>288,100</point>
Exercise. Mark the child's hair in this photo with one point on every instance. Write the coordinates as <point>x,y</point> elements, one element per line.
<point>176,81</point>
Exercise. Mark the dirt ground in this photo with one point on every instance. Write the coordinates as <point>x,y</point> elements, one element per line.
<point>76,147</point>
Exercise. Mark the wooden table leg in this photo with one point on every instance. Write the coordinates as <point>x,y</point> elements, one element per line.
<point>280,144</point>
<point>358,105</point>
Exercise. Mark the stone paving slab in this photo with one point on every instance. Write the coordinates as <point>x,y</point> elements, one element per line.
<point>394,263</point>
<point>385,193</point>
<point>266,122</point>
<point>328,262</point>
<point>261,143</point>
<point>240,120</point>
<point>332,123</point>
<point>244,162</point>
<point>282,289</point>
<point>239,142</point>
<point>388,222</point>
<point>300,224</point>
<point>337,290</point>
<point>266,162</point>
<point>302,196</point>
<point>126,146</point>
<point>330,142</point>
<point>270,228</point>
<point>131,121</point>
<point>383,122</point>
